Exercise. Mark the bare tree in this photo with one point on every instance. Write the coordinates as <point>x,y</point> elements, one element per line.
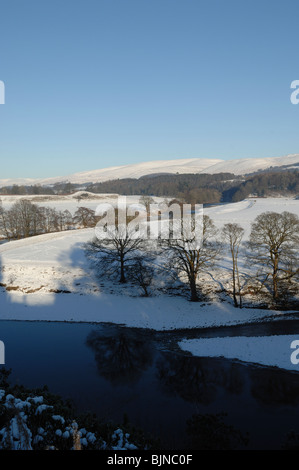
<point>233,234</point>
<point>146,201</point>
<point>85,217</point>
<point>141,272</point>
<point>274,248</point>
<point>64,220</point>
<point>9,224</point>
<point>48,217</point>
<point>186,257</point>
<point>114,253</point>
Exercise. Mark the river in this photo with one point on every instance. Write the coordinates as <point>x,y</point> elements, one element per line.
<point>115,371</point>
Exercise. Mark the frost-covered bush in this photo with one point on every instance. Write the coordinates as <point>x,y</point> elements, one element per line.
<point>30,423</point>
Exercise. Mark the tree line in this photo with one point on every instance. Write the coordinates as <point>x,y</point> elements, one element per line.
<point>189,188</point>
<point>36,189</point>
<point>25,219</point>
<point>205,188</point>
<point>267,184</point>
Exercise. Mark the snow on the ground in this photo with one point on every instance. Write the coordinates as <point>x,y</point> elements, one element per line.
<point>279,351</point>
<point>243,212</point>
<point>158,313</point>
<point>49,278</point>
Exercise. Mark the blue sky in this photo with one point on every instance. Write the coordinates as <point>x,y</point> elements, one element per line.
<point>97,83</point>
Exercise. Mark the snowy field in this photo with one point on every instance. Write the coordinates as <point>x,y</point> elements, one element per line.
<point>68,202</point>
<point>48,278</point>
<point>243,212</point>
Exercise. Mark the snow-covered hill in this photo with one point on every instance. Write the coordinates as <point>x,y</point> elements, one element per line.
<point>251,165</point>
<point>182,166</point>
<point>191,165</point>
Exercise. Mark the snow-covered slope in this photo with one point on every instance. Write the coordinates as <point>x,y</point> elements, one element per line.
<point>181,166</point>
<point>252,165</point>
<point>47,277</point>
<point>244,212</point>
<point>191,165</point>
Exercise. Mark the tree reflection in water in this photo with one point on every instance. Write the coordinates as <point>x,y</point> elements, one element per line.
<point>211,432</point>
<point>198,380</point>
<point>121,355</point>
<point>274,387</point>
<point>126,356</point>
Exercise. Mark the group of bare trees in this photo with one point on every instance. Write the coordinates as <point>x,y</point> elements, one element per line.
<point>25,219</point>
<point>271,253</point>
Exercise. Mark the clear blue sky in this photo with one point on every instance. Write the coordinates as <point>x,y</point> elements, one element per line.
<point>98,83</point>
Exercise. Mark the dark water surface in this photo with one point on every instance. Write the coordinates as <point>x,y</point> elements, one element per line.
<point>111,370</point>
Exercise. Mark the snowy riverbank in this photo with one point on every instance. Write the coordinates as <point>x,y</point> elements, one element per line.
<point>158,313</point>
<point>265,350</point>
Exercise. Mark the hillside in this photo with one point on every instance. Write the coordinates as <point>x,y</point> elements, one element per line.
<point>237,167</point>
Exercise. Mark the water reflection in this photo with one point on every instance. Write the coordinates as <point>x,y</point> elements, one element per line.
<point>212,432</point>
<point>165,392</point>
<point>197,380</point>
<point>121,355</point>
<point>274,387</point>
